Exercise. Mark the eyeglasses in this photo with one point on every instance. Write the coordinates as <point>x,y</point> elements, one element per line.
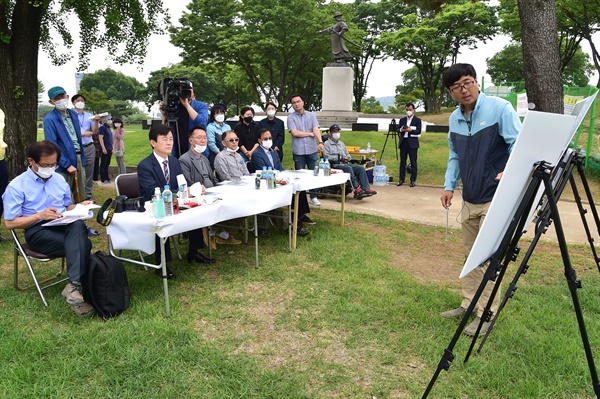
<point>466,85</point>
<point>232,140</point>
<point>201,138</point>
<point>45,165</point>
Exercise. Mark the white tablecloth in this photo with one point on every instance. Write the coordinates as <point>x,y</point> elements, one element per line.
<point>304,179</point>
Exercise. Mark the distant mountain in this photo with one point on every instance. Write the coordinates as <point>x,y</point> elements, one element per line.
<point>386,101</point>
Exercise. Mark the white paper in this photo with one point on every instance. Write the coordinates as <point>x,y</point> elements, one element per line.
<point>80,212</point>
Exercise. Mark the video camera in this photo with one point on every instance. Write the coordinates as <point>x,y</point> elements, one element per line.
<point>170,91</point>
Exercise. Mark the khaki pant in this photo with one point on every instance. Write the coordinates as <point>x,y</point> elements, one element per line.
<point>80,180</point>
<point>472,216</point>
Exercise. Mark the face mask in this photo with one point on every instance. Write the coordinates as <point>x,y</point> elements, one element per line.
<point>267,144</point>
<point>409,113</point>
<point>45,173</point>
<point>248,119</point>
<point>234,150</point>
<point>220,118</point>
<point>80,105</point>
<point>61,105</point>
<point>335,136</point>
<point>199,148</point>
<point>117,125</point>
<point>271,113</point>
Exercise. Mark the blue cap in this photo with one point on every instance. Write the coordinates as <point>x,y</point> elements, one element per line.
<point>334,128</point>
<point>56,91</point>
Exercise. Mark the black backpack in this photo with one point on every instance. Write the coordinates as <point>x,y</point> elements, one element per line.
<point>105,285</point>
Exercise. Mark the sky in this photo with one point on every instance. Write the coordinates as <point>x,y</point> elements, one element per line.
<point>385,76</point>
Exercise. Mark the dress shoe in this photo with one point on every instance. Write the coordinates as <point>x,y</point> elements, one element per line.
<point>229,240</point>
<point>471,329</point>
<point>170,274</point>
<point>401,182</point>
<point>412,184</point>
<point>199,258</point>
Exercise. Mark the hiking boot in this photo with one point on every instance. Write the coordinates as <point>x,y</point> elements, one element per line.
<point>83,309</point>
<point>359,193</point>
<point>73,293</point>
<point>471,329</point>
<point>454,313</point>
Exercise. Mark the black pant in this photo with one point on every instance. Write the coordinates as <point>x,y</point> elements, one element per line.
<point>70,240</point>
<point>104,164</point>
<point>196,241</point>
<point>412,154</point>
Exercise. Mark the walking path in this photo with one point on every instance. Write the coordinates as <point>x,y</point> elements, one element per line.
<point>422,204</point>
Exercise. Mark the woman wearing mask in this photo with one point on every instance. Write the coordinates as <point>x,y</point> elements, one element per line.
<point>215,130</point>
<point>247,132</point>
<point>275,126</point>
<point>105,138</point>
<point>118,145</point>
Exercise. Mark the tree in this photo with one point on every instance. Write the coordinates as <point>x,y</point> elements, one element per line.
<point>116,85</point>
<point>430,40</point>
<point>274,43</point>
<point>410,91</point>
<point>372,106</point>
<point>541,57</point>
<point>25,25</point>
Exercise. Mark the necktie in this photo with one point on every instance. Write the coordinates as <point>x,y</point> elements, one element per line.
<point>166,170</point>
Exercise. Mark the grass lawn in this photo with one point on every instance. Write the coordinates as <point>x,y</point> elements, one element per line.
<point>353,313</point>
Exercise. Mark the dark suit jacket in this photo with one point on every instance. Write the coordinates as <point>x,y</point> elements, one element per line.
<point>413,142</point>
<point>150,175</point>
<point>260,159</point>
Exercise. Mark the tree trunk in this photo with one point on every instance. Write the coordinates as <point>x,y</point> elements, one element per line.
<point>541,55</point>
<point>19,85</point>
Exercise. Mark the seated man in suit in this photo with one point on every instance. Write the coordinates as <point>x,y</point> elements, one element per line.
<point>264,155</point>
<point>196,169</point>
<point>160,169</point>
<point>409,130</point>
<point>39,195</point>
<point>339,157</point>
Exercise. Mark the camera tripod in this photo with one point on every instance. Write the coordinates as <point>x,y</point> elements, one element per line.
<point>553,184</point>
<point>392,131</point>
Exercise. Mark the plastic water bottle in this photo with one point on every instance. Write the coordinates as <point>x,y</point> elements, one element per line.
<point>158,205</point>
<point>168,199</point>
<point>257,181</point>
<point>369,146</point>
<point>327,167</point>
<point>321,167</point>
<point>270,178</point>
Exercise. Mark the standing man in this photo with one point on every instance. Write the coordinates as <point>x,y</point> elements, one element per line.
<point>275,126</point>
<point>61,126</point>
<point>304,127</point>
<point>482,132</point>
<point>409,131</point>
<point>88,128</point>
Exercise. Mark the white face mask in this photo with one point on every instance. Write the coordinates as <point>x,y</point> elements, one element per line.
<point>220,118</point>
<point>409,113</point>
<point>80,105</point>
<point>335,136</point>
<point>117,125</point>
<point>199,148</point>
<point>234,150</point>
<point>45,173</point>
<point>271,113</point>
<point>267,144</point>
<point>61,105</point>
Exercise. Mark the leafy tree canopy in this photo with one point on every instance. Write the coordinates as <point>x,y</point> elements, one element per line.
<point>116,85</point>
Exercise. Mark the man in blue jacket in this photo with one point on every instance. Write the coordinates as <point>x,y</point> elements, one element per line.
<point>482,132</point>
<point>61,126</point>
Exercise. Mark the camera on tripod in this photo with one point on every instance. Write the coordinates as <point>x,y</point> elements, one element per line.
<point>170,91</point>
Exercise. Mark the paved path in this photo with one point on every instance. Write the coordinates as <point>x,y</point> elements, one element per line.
<point>422,204</point>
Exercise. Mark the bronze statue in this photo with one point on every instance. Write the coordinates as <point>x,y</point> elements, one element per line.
<point>339,50</point>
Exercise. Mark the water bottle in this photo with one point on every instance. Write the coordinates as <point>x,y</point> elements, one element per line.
<point>327,168</point>
<point>158,205</point>
<point>270,178</point>
<point>322,167</point>
<point>168,199</point>
<point>316,171</point>
<point>182,192</point>
<point>257,181</point>
<point>369,146</point>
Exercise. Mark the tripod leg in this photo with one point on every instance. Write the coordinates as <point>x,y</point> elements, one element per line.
<point>384,144</point>
<point>583,211</point>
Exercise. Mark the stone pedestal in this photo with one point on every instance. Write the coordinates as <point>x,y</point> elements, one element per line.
<point>337,88</point>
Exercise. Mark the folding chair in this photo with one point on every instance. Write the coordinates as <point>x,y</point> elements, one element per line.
<point>29,255</point>
<point>127,184</point>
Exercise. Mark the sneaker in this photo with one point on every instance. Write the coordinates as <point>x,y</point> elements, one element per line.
<point>229,240</point>
<point>370,192</point>
<point>359,193</point>
<point>412,184</point>
<point>315,201</point>
<point>83,309</point>
<point>72,293</point>
<point>306,220</point>
<point>471,329</point>
<point>454,313</point>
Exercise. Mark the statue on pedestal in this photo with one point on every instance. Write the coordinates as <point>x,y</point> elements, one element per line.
<point>339,51</point>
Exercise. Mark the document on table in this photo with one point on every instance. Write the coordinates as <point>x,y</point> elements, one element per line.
<point>80,212</point>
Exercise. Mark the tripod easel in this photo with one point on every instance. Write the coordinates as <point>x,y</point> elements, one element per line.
<point>392,131</point>
<point>553,183</point>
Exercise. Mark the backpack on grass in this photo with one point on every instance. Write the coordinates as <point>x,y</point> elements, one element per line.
<point>105,285</point>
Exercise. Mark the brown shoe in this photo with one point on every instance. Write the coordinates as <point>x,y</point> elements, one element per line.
<point>471,329</point>
<point>229,240</point>
<point>73,293</point>
<point>454,313</point>
<point>83,309</point>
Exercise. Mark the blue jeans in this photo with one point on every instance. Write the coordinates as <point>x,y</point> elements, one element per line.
<point>308,160</point>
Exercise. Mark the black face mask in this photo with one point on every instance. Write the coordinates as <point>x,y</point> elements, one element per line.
<point>248,119</point>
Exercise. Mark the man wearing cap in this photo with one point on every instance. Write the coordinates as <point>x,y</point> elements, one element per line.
<point>88,125</point>
<point>190,113</point>
<point>61,126</point>
<point>338,156</point>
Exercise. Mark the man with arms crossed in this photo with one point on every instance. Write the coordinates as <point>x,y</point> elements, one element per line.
<point>481,135</point>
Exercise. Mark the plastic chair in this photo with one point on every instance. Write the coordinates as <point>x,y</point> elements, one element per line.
<point>23,250</point>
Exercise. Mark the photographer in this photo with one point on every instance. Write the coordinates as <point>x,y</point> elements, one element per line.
<point>339,157</point>
<point>181,111</point>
